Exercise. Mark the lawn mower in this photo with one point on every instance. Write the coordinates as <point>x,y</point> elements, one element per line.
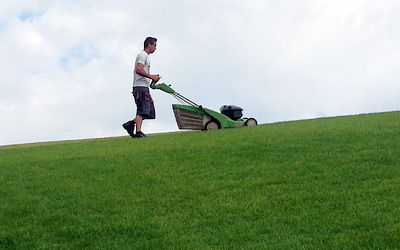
<point>189,115</point>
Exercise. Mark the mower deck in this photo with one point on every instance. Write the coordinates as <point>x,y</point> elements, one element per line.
<point>198,118</point>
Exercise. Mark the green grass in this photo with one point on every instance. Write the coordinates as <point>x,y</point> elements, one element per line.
<point>331,183</point>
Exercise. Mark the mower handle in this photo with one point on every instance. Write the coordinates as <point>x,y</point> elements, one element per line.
<point>162,86</point>
<point>167,89</point>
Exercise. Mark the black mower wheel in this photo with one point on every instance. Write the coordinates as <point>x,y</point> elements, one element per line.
<point>251,122</point>
<point>212,125</point>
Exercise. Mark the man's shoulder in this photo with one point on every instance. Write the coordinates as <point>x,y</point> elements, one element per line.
<point>143,54</point>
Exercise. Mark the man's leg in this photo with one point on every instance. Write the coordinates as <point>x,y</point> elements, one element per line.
<point>138,121</point>
<point>145,109</point>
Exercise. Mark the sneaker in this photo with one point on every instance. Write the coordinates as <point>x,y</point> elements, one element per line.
<point>139,134</point>
<point>130,127</point>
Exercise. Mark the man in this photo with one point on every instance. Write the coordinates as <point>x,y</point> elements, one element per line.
<point>141,83</point>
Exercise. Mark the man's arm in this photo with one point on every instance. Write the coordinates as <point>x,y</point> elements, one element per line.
<point>140,71</point>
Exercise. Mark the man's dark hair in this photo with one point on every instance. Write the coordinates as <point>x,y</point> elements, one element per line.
<point>149,40</point>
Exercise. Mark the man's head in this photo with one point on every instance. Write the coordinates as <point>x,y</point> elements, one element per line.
<point>150,44</point>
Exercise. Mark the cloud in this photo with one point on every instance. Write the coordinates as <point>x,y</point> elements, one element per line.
<point>67,66</point>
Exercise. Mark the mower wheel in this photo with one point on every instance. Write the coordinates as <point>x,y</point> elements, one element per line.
<point>251,122</point>
<point>212,125</point>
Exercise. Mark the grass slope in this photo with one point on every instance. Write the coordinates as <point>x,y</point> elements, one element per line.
<point>329,183</point>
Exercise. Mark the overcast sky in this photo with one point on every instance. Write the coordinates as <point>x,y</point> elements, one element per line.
<point>66,66</point>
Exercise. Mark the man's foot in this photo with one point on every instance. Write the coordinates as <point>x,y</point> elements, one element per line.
<point>129,126</point>
<point>139,134</point>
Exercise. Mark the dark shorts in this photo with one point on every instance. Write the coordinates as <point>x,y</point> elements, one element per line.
<point>144,103</point>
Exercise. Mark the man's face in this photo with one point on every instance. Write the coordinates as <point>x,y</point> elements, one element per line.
<point>153,47</point>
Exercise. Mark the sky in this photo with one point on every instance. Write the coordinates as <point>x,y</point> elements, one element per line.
<point>66,67</point>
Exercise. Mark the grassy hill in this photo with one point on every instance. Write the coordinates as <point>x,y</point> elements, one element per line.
<point>331,183</point>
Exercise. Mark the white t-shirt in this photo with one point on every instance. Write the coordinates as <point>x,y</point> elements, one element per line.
<point>138,80</point>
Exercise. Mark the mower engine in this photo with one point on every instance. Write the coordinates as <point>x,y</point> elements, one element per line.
<point>232,111</point>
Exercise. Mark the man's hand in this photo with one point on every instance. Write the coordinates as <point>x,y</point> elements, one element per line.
<point>155,78</point>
